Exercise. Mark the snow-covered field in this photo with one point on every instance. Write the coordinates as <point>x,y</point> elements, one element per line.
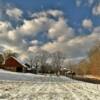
<point>45,88</point>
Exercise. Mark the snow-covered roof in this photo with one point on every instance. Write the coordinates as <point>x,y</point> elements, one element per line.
<point>16,60</point>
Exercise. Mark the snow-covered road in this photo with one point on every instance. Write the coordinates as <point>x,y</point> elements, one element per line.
<point>21,86</point>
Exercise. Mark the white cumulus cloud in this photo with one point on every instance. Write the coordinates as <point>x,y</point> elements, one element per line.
<point>96,10</point>
<point>87,23</point>
<point>14,13</point>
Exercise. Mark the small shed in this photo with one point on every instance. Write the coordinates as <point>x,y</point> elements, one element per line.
<point>63,71</point>
<point>12,64</point>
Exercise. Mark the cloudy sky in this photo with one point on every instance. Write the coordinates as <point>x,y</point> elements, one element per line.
<point>69,26</point>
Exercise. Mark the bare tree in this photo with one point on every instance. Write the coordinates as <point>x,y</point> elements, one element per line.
<point>70,66</point>
<point>1,59</point>
<point>9,53</point>
<point>43,56</point>
<point>37,60</point>
<point>57,61</point>
<point>29,63</point>
<point>36,63</point>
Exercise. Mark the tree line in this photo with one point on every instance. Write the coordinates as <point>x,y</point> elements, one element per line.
<point>6,54</point>
<point>41,61</point>
<point>90,65</point>
<point>46,62</point>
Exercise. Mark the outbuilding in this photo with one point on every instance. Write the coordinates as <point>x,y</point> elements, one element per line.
<point>12,64</point>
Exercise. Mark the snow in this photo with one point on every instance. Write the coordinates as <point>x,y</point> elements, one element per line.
<point>48,91</point>
<point>14,76</point>
<point>92,77</point>
<point>16,86</point>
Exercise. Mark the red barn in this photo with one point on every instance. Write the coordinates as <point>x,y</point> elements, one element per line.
<point>13,64</point>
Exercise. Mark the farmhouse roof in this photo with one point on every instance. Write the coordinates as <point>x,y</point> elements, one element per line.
<point>15,60</point>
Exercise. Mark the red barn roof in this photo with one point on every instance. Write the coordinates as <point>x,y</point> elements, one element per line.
<point>13,62</point>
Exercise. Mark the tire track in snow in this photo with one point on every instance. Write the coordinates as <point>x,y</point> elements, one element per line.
<point>83,93</point>
<point>24,90</point>
<point>50,92</point>
<point>39,87</point>
<point>63,94</point>
<point>85,90</point>
<point>73,94</point>
<point>52,95</point>
<point>58,93</point>
<point>42,93</point>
